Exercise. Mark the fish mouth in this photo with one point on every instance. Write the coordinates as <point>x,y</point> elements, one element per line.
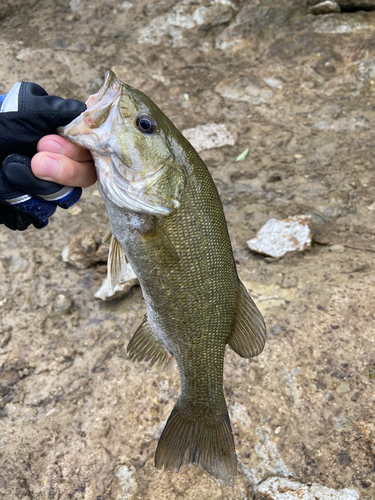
<point>110,80</point>
<point>97,108</point>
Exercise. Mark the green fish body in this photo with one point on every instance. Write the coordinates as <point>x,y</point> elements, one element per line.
<point>167,219</point>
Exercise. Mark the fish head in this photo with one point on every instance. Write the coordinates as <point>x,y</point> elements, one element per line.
<point>129,137</point>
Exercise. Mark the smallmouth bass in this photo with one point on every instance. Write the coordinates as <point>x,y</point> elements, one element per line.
<point>167,221</point>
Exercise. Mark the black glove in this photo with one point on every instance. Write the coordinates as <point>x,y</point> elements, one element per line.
<point>27,113</point>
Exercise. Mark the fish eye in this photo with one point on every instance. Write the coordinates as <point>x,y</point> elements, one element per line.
<point>146,124</point>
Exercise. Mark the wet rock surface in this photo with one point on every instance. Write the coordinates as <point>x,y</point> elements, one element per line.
<point>78,419</point>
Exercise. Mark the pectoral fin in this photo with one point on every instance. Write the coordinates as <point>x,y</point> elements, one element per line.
<point>249,334</point>
<point>158,241</point>
<point>117,262</point>
<point>107,238</point>
<point>144,346</point>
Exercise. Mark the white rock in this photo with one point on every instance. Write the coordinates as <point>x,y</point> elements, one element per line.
<point>273,82</point>
<point>276,488</point>
<point>126,478</point>
<point>325,7</point>
<point>106,292</point>
<point>338,25</point>
<point>209,136</point>
<point>269,460</point>
<point>276,238</point>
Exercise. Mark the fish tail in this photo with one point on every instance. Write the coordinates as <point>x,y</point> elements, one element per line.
<point>206,443</point>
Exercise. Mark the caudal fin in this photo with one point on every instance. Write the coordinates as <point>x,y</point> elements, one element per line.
<point>207,445</point>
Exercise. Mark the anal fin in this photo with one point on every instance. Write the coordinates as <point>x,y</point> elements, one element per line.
<point>144,346</point>
<point>249,334</point>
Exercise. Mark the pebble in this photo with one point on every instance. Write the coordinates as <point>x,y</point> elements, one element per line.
<point>274,332</point>
<point>277,488</point>
<point>337,248</point>
<point>62,304</point>
<point>343,424</point>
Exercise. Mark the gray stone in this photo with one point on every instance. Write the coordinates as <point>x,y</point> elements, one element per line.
<point>243,89</point>
<point>343,424</point>
<point>276,488</point>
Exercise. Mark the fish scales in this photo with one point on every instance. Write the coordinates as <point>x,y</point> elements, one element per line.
<point>167,219</point>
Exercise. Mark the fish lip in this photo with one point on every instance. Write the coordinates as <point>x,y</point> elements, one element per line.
<point>95,98</point>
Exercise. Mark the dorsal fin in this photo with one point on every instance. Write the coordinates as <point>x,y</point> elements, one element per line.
<point>249,334</point>
<point>144,346</point>
<point>117,262</point>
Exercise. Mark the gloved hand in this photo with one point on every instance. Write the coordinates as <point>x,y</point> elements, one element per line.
<point>27,113</point>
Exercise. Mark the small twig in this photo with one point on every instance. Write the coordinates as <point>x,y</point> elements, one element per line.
<point>329,244</point>
<point>359,248</point>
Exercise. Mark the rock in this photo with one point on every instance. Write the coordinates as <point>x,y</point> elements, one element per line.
<point>18,262</point>
<point>276,488</point>
<point>82,251</point>
<point>106,292</point>
<point>336,25</point>
<point>274,331</point>
<point>243,89</point>
<point>62,304</point>
<point>343,424</point>
<point>357,4</point>
<point>265,459</point>
<point>127,486</point>
<point>212,135</point>
<point>350,5</point>
<point>276,238</point>
<point>273,82</point>
<point>181,18</point>
<point>337,248</point>
<point>325,7</point>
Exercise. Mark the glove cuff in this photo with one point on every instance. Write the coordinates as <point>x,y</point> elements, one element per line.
<point>10,101</point>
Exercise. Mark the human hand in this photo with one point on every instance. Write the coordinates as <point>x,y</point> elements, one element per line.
<point>59,160</point>
<point>28,113</point>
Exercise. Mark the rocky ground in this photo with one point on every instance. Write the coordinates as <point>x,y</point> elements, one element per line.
<point>78,419</point>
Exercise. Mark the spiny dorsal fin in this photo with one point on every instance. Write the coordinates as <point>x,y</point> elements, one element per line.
<point>144,346</point>
<point>249,334</point>
<point>107,238</point>
<point>117,262</point>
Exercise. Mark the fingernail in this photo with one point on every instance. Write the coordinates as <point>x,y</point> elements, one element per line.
<point>51,146</point>
<point>48,168</point>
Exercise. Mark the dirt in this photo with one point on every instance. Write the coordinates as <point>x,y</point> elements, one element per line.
<point>80,421</point>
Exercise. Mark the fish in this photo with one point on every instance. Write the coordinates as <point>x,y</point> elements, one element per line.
<point>167,222</point>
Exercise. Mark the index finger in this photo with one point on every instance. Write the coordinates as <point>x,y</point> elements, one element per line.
<point>56,144</point>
